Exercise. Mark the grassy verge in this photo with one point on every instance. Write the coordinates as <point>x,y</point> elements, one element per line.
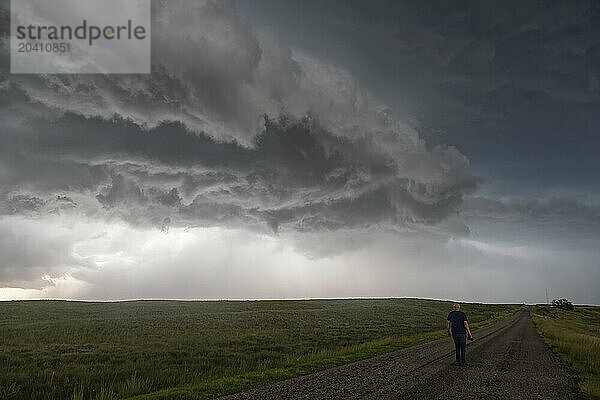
<point>303,366</point>
<point>575,337</point>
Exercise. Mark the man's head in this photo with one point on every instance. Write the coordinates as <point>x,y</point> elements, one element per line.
<point>456,306</point>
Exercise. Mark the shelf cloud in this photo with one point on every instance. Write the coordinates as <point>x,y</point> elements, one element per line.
<point>272,140</point>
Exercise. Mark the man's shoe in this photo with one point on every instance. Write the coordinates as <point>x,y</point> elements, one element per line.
<point>464,364</point>
<point>457,364</point>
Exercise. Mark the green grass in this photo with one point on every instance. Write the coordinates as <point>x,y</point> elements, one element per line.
<point>575,337</point>
<point>175,349</point>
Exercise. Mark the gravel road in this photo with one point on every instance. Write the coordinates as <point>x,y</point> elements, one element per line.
<point>507,360</point>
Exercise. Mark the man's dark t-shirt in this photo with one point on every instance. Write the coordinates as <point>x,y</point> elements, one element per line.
<point>457,319</point>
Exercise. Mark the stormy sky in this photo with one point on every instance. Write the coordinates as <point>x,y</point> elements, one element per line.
<point>292,149</point>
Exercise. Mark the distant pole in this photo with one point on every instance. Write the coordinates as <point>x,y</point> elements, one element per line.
<point>547,301</point>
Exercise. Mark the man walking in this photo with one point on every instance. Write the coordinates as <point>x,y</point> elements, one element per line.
<point>458,321</point>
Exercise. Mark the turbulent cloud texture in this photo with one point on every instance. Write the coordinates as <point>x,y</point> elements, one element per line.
<point>229,130</point>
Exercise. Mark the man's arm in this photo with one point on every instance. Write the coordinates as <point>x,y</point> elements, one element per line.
<point>448,327</point>
<point>468,330</point>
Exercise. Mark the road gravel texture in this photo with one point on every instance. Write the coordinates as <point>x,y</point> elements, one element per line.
<point>507,360</point>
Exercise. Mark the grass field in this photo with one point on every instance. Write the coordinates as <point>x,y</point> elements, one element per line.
<point>575,337</point>
<point>178,349</point>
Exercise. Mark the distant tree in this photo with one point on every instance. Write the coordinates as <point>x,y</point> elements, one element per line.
<point>562,304</point>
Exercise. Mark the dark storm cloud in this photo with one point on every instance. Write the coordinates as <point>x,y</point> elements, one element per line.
<point>188,145</point>
<point>509,83</point>
<point>297,175</point>
<point>228,130</point>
